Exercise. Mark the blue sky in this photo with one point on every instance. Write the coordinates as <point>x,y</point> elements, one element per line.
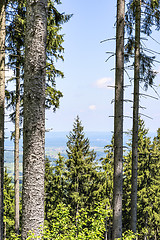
<point>87,75</point>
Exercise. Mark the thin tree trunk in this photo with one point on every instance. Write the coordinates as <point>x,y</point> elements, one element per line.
<point>34,118</point>
<point>16,143</point>
<point>135,118</point>
<point>118,122</point>
<point>2,104</point>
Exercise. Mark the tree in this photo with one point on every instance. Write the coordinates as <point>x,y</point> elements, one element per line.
<point>148,221</point>
<point>80,171</point>
<point>54,187</point>
<point>15,43</point>
<point>118,122</point>
<point>153,190</point>
<point>135,116</point>
<point>9,213</point>
<point>2,102</point>
<point>34,117</point>
<point>108,166</point>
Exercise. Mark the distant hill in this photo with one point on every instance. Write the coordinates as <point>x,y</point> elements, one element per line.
<point>55,142</point>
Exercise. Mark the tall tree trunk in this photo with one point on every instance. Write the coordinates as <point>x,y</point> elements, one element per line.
<point>2,104</point>
<point>34,117</point>
<point>118,122</point>
<point>16,143</point>
<point>135,118</point>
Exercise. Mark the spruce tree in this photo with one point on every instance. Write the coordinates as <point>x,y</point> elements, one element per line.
<point>147,186</point>
<point>15,44</point>
<point>2,105</point>
<point>108,167</point>
<point>80,170</point>
<point>54,187</point>
<point>34,118</point>
<point>9,213</point>
<point>154,189</point>
<point>118,122</point>
<point>135,116</point>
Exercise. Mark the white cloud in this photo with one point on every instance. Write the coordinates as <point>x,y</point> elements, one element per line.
<point>92,107</point>
<point>104,82</point>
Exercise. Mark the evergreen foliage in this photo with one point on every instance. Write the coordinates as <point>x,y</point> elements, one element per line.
<point>93,220</point>
<point>64,228</point>
<point>147,58</point>
<point>79,190</point>
<point>81,171</point>
<point>54,187</point>
<point>107,187</point>
<point>8,207</point>
<point>16,11</point>
<point>154,190</point>
<point>148,223</point>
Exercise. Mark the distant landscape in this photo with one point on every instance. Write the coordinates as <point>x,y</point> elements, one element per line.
<point>56,143</point>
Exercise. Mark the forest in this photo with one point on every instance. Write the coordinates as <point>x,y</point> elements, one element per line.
<point>78,196</point>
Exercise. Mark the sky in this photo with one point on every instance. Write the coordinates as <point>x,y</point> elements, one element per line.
<point>88,75</point>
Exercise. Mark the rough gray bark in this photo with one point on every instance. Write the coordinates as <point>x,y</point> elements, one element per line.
<point>34,117</point>
<point>2,104</point>
<point>16,145</point>
<point>135,118</point>
<point>118,122</point>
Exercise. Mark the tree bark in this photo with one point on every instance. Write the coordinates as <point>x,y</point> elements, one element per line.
<point>135,118</point>
<point>118,122</point>
<point>16,143</point>
<point>34,118</point>
<point>2,105</point>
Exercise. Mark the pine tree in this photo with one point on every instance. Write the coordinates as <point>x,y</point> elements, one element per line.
<point>2,102</point>
<point>15,44</point>
<point>143,72</point>
<point>34,118</point>
<point>81,172</point>
<point>147,183</point>
<point>118,122</point>
<point>135,116</point>
<point>108,166</point>
<point>154,190</point>
<point>54,187</point>
<point>9,213</point>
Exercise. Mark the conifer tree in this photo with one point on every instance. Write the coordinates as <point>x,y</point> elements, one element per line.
<point>108,166</point>
<point>15,44</point>
<point>147,186</point>
<point>54,187</point>
<point>135,116</point>
<point>34,118</point>
<point>15,47</point>
<point>9,213</point>
<point>81,171</point>
<point>2,104</point>
<point>143,72</point>
<point>118,121</point>
<point>154,189</point>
